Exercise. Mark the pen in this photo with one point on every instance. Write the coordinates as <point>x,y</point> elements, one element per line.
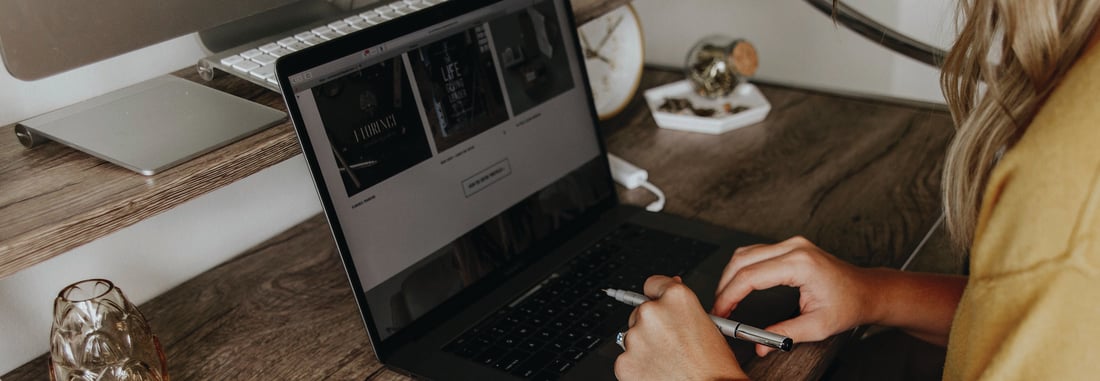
<point>728,327</point>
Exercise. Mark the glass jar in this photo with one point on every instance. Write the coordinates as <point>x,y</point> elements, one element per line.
<point>98,334</point>
<point>717,64</point>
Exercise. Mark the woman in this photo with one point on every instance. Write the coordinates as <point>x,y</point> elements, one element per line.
<point>1021,191</point>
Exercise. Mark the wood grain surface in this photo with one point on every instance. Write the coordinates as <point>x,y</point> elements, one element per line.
<point>859,177</point>
<point>55,198</point>
<point>281,311</point>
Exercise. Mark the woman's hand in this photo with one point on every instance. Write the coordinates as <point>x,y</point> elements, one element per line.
<point>672,338</point>
<point>834,295</point>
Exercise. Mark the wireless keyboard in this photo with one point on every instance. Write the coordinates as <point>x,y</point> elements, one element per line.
<point>255,62</point>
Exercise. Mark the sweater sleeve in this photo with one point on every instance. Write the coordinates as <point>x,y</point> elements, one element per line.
<point>1031,309</point>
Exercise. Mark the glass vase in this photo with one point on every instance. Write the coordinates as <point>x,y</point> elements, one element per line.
<point>717,64</point>
<point>98,334</point>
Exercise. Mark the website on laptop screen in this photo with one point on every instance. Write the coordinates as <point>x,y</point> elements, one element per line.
<point>449,152</point>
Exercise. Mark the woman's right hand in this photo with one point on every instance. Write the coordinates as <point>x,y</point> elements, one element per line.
<point>834,295</point>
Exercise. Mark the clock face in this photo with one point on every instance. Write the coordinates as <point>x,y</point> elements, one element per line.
<point>613,50</point>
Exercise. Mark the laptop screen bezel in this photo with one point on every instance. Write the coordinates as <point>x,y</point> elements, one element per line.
<point>329,51</point>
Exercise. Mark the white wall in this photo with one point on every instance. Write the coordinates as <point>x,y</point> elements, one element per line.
<point>800,45</point>
<point>797,45</point>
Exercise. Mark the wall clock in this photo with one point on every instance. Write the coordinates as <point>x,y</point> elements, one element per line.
<point>614,52</point>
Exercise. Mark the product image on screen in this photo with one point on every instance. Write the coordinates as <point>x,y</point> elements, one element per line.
<point>372,122</point>
<point>532,55</point>
<point>459,87</point>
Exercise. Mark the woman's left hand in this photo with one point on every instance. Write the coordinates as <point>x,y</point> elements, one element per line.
<point>672,338</point>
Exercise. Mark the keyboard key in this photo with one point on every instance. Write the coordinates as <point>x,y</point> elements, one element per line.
<point>263,72</point>
<point>246,66</point>
<point>269,47</point>
<point>573,353</point>
<point>353,19</point>
<point>532,344</point>
<point>386,12</point>
<point>375,18</point>
<point>491,355</point>
<point>338,24</point>
<point>546,334</point>
<point>502,327</point>
<point>345,29</point>
<point>312,40</point>
<point>281,51</point>
<point>361,23</point>
<point>331,34</point>
<point>559,346</point>
<point>321,29</point>
<point>287,41</point>
<point>560,366</point>
<point>534,364</point>
<point>264,59</point>
<point>232,60</point>
<point>588,342</point>
<point>523,331</point>
<point>511,361</point>
<point>509,342</point>
<point>305,35</point>
<point>251,53</point>
<point>296,46</point>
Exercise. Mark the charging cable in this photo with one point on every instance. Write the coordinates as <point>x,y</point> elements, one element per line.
<point>632,177</point>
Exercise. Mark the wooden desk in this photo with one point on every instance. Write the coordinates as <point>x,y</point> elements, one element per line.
<point>859,177</point>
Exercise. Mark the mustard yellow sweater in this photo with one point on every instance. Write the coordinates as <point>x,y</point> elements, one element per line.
<point>1031,309</point>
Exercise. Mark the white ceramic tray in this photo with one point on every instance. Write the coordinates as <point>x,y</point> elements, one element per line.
<point>745,95</point>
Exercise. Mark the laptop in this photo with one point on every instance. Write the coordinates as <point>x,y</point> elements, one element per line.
<point>459,163</point>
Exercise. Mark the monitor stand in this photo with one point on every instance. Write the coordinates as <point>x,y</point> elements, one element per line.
<point>153,125</point>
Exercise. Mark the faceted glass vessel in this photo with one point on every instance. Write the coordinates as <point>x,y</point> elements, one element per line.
<point>98,334</point>
<point>717,64</point>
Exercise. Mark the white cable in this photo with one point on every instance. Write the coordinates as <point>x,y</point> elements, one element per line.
<point>923,241</point>
<point>655,206</point>
<point>632,177</point>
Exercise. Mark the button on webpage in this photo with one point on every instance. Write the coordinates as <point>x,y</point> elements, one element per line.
<point>486,177</point>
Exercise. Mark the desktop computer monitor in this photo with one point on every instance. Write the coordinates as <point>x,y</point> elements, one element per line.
<point>40,38</point>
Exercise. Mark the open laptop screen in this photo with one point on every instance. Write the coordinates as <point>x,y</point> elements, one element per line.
<point>447,153</point>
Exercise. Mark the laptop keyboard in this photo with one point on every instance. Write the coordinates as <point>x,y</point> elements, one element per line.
<point>546,331</point>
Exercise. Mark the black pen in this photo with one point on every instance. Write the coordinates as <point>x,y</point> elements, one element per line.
<point>728,327</point>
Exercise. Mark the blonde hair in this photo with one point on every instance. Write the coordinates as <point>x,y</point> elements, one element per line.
<point>1038,41</point>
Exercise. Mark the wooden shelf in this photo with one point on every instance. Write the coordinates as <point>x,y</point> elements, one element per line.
<point>55,198</point>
